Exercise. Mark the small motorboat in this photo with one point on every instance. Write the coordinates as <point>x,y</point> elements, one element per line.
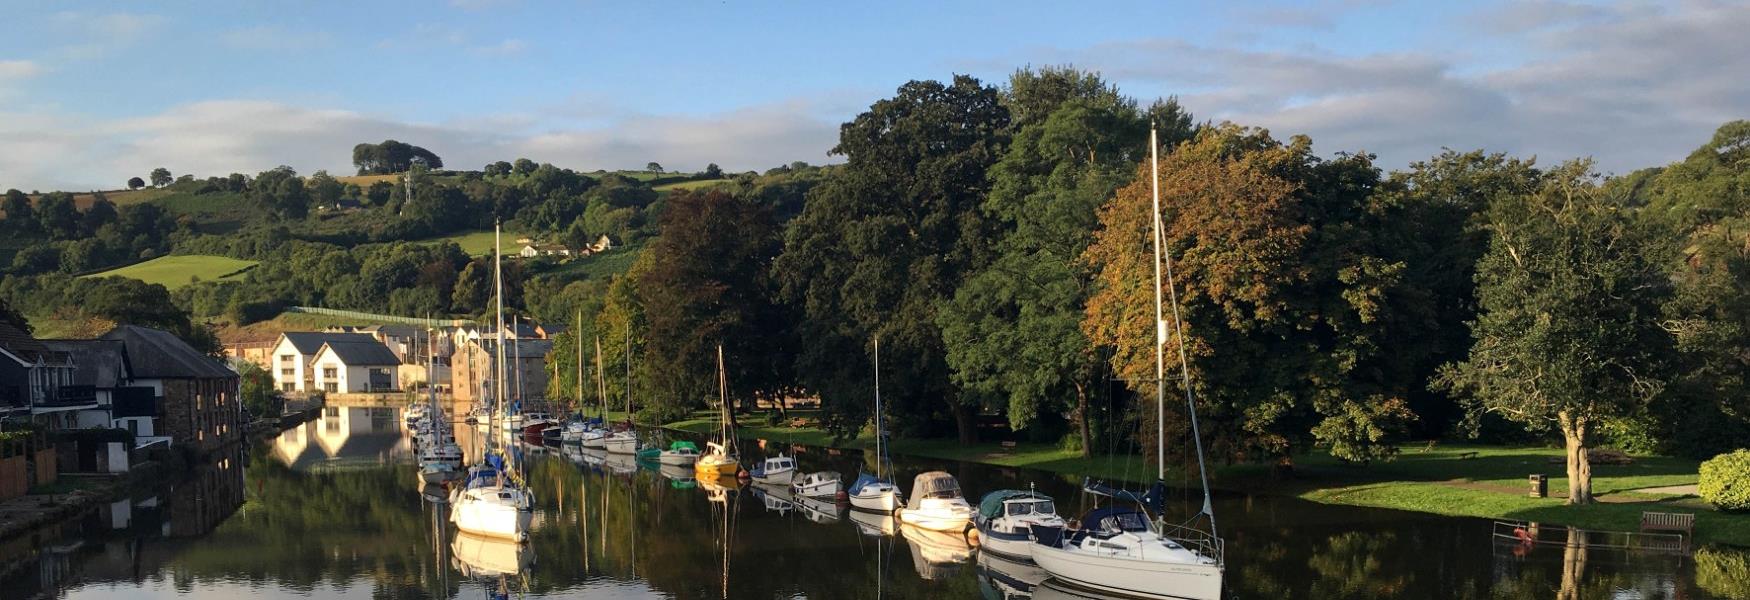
<point>1005,520</point>
<point>438,472</point>
<point>936,504</point>
<point>681,453</point>
<point>447,453</point>
<point>819,484</point>
<point>534,423</point>
<point>777,470</point>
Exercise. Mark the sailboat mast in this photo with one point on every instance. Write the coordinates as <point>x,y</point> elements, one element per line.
<point>880,452</point>
<point>723,396</point>
<point>517,361</point>
<point>1179,326</point>
<point>1160,324</point>
<point>601,382</point>
<point>628,369</point>
<point>498,321</point>
<point>577,343</point>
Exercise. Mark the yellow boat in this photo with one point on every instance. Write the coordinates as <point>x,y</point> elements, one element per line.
<point>720,457</point>
<point>716,461</point>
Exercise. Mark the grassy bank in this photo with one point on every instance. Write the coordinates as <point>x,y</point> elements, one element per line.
<point>1447,479</point>
<point>179,270</point>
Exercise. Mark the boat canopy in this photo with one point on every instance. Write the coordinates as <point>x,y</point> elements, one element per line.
<point>683,445</point>
<point>1114,519</point>
<point>864,480</point>
<point>1155,499</point>
<point>933,484</point>
<point>991,506</point>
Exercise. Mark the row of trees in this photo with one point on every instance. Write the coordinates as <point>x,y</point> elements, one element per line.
<point>995,241</point>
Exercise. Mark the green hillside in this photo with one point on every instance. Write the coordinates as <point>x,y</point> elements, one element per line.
<point>179,270</point>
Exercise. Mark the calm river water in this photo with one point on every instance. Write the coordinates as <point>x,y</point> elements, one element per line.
<point>333,509</point>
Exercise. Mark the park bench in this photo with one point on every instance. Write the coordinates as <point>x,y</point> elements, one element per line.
<point>1008,446</point>
<point>1659,521</point>
<point>1467,455</point>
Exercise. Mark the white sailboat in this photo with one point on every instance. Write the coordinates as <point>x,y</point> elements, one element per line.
<point>595,433</point>
<point>876,492</point>
<point>1119,549</point>
<point>492,501</point>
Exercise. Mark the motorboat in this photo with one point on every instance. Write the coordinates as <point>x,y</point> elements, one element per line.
<point>819,484</point>
<point>1120,550</point>
<point>871,493</point>
<point>936,554</point>
<point>438,472</point>
<point>534,423</point>
<point>1005,520</point>
<point>777,470</point>
<point>680,453</point>
<point>622,442</point>
<point>877,492</point>
<point>489,503</point>
<point>819,510</point>
<point>936,504</point>
<point>449,453</point>
<point>593,437</point>
<point>717,461</point>
<point>512,422</point>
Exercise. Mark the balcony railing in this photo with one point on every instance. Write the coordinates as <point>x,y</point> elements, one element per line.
<point>69,395</point>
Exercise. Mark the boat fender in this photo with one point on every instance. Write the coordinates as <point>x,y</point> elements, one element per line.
<point>1524,536</point>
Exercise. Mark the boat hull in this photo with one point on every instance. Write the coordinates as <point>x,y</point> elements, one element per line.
<point>678,459</point>
<point>1015,547</point>
<point>621,445</point>
<point>935,522</point>
<point>783,478</point>
<point>1129,576</point>
<point>492,519</point>
<point>707,466</point>
<point>882,501</point>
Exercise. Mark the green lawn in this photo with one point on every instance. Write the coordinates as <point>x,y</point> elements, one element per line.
<point>691,185</point>
<point>479,243</point>
<point>599,266</point>
<point>179,270</point>
<point>1441,479</point>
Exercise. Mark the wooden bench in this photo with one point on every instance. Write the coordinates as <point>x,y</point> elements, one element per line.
<point>1008,446</point>
<point>1467,455</point>
<point>1658,521</point>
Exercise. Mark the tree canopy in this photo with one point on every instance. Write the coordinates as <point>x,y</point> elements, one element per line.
<point>391,156</point>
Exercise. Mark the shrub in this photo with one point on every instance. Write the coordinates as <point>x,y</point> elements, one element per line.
<point>1725,481</point>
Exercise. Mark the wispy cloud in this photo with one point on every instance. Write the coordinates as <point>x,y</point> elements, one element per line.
<point>93,34</point>
<point>273,37</point>
<point>18,69</point>
<point>1631,86</point>
<point>505,48</point>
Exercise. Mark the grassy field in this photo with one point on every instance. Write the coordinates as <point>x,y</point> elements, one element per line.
<point>479,243</point>
<point>598,266</point>
<point>178,270</point>
<point>691,185</point>
<point>271,328</point>
<point>365,181</point>
<point>1444,479</point>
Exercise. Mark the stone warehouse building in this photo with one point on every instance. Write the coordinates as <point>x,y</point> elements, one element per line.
<point>195,396</point>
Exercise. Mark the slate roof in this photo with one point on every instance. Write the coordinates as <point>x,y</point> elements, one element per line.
<point>362,354</point>
<point>155,354</point>
<point>98,363</point>
<point>20,344</point>
<point>308,342</point>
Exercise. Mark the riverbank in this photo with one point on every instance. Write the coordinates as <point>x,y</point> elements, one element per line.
<point>1447,479</point>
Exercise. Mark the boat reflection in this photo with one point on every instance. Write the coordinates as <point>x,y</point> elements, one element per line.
<point>1003,579</point>
<point>479,556</point>
<point>875,524</point>
<point>1053,589</point>
<point>936,554</point>
<point>820,510</point>
<point>680,477</point>
<point>776,498</point>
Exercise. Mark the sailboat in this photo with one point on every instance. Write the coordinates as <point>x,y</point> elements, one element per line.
<point>493,501</point>
<point>595,433</point>
<point>1119,549</point>
<point>877,492</point>
<point>720,457</point>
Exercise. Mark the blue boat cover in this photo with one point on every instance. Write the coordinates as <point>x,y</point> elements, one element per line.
<point>991,506</point>
<point>1115,517</point>
<point>864,480</point>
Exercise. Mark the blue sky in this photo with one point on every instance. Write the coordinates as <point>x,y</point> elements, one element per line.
<point>92,93</point>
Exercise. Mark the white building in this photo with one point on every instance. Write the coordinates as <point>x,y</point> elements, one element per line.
<point>349,367</point>
<point>295,352</point>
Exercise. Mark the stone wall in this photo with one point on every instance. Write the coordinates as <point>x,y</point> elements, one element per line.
<point>203,414</point>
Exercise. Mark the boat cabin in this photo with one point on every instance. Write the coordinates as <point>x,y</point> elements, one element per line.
<point>935,484</point>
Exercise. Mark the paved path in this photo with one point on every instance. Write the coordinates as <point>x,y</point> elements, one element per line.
<point>1671,490</point>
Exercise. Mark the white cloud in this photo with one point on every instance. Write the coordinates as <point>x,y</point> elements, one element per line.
<point>1632,86</point>
<point>18,69</point>
<point>57,151</point>
<point>271,37</point>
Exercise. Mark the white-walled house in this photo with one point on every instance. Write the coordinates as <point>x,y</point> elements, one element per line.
<point>295,352</point>
<point>349,367</point>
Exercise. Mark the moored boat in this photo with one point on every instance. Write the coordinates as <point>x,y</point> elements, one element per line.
<point>776,470</point>
<point>490,504</point>
<point>1005,520</point>
<point>680,453</point>
<point>819,484</point>
<point>1120,550</point>
<point>937,504</point>
<point>622,442</point>
<point>877,492</point>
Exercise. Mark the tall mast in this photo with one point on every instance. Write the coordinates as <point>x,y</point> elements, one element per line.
<point>577,342</point>
<point>628,369</point>
<point>1154,165</point>
<point>498,299</point>
<point>517,362</point>
<point>1178,326</point>
<point>880,452</point>
<point>601,383</point>
<point>723,397</point>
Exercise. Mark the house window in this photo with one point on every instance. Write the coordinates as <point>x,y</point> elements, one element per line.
<point>288,387</point>
<point>331,387</point>
<point>133,426</point>
<point>328,373</point>
<point>286,372</point>
<point>286,359</point>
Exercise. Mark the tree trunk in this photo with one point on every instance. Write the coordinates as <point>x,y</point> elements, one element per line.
<point>1574,431</point>
<point>1082,419</point>
<point>966,423</point>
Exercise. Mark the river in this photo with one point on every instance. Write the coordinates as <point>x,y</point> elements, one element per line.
<point>333,509</point>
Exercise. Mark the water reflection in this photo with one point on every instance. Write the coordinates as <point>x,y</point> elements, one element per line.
<point>285,520</point>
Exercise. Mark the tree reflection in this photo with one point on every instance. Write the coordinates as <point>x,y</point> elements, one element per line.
<point>1723,572</point>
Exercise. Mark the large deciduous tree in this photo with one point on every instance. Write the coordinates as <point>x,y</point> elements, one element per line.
<point>708,282</point>
<point>161,177</point>
<point>1568,331</point>
<point>882,245</point>
<point>392,157</point>
<point>1281,286</point>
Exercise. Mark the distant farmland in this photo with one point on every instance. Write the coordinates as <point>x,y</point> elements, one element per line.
<point>180,270</point>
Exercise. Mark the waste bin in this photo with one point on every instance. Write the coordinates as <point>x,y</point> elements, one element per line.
<point>1540,486</point>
